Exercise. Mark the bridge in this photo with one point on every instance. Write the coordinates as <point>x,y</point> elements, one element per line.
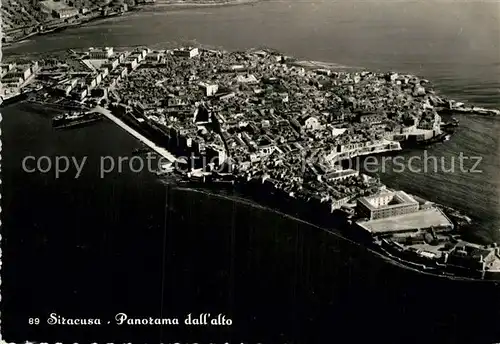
<point>160,150</point>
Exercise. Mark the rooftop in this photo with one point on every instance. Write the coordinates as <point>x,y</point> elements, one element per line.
<point>387,199</point>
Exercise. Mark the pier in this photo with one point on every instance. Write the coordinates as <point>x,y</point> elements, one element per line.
<point>160,150</point>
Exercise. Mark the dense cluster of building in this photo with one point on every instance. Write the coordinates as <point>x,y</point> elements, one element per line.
<point>274,120</point>
<point>22,18</point>
<point>14,76</point>
<point>19,15</point>
<point>58,9</point>
<point>262,116</point>
<point>265,128</point>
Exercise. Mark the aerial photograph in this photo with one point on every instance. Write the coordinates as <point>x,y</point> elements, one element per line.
<point>250,171</point>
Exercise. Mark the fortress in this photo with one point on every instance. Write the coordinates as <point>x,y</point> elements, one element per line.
<point>387,204</point>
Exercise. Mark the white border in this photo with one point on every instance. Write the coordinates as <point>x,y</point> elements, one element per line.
<point>1,37</point>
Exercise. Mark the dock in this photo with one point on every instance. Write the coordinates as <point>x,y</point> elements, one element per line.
<point>160,150</point>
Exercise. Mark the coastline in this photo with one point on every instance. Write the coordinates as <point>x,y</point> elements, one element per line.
<point>190,4</point>
<point>388,259</point>
<point>174,4</point>
<point>310,64</point>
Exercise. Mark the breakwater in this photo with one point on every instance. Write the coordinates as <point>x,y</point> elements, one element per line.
<point>160,150</point>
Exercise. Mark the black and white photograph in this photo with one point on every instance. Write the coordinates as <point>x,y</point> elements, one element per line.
<point>250,171</point>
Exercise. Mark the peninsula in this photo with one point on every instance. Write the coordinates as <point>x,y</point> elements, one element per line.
<point>276,129</point>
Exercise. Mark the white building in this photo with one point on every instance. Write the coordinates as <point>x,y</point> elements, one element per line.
<point>64,13</point>
<point>19,71</point>
<point>323,71</point>
<point>338,203</point>
<point>209,89</point>
<point>137,56</point>
<point>312,123</point>
<point>68,86</point>
<point>104,72</point>
<point>246,79</point>
<point>218,152</point>
<point>80,93</point>
<point>112,64</point>
<point>131,64</point>
<point>387,204</point>
<point>14,82</point>
<point>340,175</point>
<point>186,52</point>
<point>154,57</point>
<point>91,82</point>
<point>6,67</point>
<point>100,53</point>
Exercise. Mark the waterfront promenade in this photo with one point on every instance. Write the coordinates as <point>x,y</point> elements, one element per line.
<point>160,150</point>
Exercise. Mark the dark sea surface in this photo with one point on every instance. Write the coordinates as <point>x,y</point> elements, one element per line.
<point>92,247</point>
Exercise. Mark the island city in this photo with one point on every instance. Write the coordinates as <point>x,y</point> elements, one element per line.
<point>261,122</point>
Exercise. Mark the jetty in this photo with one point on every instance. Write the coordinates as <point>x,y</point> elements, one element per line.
<point>160,150</point>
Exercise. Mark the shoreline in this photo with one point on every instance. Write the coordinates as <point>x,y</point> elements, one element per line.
<point>323,65</point>
<point>388,259</point>
<point>175,4</point>
<point>190,4</point>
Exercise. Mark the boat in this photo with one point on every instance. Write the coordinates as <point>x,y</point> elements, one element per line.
<point>71,120</point>
<point>113,14</point>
